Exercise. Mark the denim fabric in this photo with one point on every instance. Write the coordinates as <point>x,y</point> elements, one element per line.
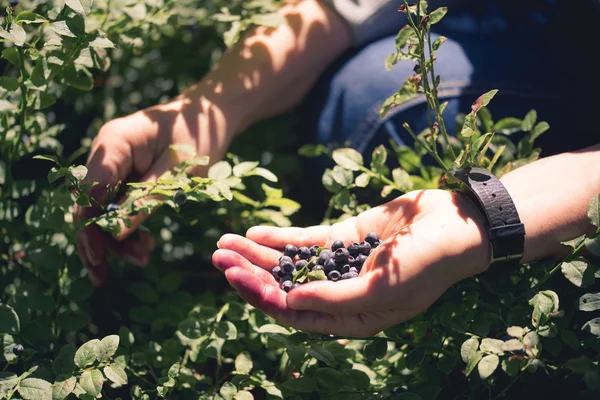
<point>524,57</point>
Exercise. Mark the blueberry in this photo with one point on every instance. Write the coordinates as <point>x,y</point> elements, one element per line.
<point>334,275</point>
<point>318,268</point>
<point>365,247</point>
<point>376,244</point>
<point>290,250</point>
<point>301,264</point>
<point>313,250</point>
<point>276,271</point>
<point>304,253</point>
<point>338,244</point>
<point>346,269</point>
<point>287,286</point>
<point>353,270</point>
<point>371,238</point>
<point>286,264</point>
<point>341,255</point>
<point>180,197</point>
<point>330,265</point>
<point>324,256</point>
<point>112,207</point>
<point>360,260</point>
<point>354,249</point>
<point>13,3</point>
<point>353,274</point>
<point>18,349</point>
<point>285,278</point>
<point>348,275</point>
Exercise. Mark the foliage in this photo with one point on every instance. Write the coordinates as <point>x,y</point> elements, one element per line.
<point>161,332</point>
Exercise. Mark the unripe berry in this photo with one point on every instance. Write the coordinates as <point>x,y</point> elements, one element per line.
<point>338,244</point>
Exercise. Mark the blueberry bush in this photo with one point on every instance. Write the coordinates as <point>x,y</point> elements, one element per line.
<point>173,330</point>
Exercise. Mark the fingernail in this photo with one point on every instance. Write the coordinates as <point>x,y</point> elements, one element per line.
<point>218,245</point>
<point>91,256</point>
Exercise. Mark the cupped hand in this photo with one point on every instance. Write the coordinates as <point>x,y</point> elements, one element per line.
<point>430,240</point>
<point>136,148</point>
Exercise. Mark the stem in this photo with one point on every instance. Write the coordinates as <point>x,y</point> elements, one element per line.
<point>140,376</point>
<point>23,107</point>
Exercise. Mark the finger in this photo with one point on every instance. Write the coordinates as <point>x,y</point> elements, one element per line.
<point>272,301</point>
<point>135,250</point>
<point>264,257</point>
<point>345,297</point>
<point>277,238</point>
<point>224,259</point>
<point>96,265</point>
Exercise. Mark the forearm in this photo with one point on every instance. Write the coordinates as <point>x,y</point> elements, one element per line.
<point>271,69</point>
<point>552,196</point>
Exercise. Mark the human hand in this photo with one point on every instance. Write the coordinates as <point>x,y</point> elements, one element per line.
<point>430,240</point>
<point>136,148</point>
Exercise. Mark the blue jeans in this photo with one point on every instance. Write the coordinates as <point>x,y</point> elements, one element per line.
<point>524,60</point>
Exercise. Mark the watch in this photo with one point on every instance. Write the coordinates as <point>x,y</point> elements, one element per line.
<point>506,233</point>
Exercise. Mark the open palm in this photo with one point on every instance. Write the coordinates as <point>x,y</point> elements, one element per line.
<point>430,240</point>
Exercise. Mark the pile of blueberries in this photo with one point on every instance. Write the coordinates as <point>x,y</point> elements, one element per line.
<point>336,263</point>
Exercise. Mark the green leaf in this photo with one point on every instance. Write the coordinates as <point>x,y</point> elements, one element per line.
<point>342,176</point>
<point>35,389</point>
<point>312,150</point>
<point>219,171</point>
<point>87,353</point>
<point>62,29</point>
<point>437,15</point>
<point>273,328</point>
<point>264,173</point>
<point>9,83</point>
<point>64,363</point>
<point>61,389</point>
<point>226,330</point>
<point>507,126</point>
<point>511,366</point>
<point>594,211</point>
<point>91,381</point>
<point>592,326</point>
<point>488,365</point>
<point>483,100</point>
<point>348,158</point>
<point>589,302</point>
<point>244,168</point>
<point>272,20</point>
<point>578,271</point>
<point>228,390</point>
<point>11,55</point>
<point>574,242</point>
<point>362,180</point>
<point>540,128</point>
<point>184,148</point>
<point>243,362</point>
<point>304,384</point>
<point>78,77</point>
<point>580,365</point>
<point>15,34</point>
<point>322,354</point>
<point>491,346</point>
<point>402,179</point>
<point>9,320</point>
<point>108,347</point>
<point>377,348</point>
<point>143,291</point>
<point>316,276</point>
<point>378,158</point>
<point>469,348</point>
<point>570,339</point>
<point>473,361</point>
<point>8,380</point>
<point>529,121</point>
<point>115,373</point>
<point>512,345</point>
<point>29,17</point>
<point>83,7</point>
<point>330,380</point>
<point>70,321</point>
<point>515,331</point>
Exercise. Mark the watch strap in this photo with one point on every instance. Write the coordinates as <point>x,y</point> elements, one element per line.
<point>504,227</point>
